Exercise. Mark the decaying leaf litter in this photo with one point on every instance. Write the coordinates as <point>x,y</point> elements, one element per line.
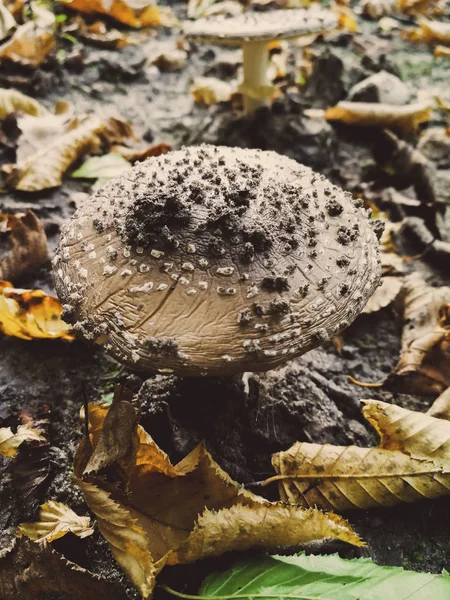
<point>309,400</point>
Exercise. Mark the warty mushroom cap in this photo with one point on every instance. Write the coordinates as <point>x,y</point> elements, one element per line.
<point>260,27</point>
<point>216,260</point>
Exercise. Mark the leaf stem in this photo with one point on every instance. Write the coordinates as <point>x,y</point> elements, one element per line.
<point>232,596</point>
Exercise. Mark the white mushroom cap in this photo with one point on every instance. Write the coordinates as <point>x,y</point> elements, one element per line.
<point>260,26</point>
<point>215,260</point>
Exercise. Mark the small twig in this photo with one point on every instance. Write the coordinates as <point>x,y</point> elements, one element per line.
<point>365,384</point>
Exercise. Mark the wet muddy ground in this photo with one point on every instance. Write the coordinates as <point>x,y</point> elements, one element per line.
<point>243,421</point>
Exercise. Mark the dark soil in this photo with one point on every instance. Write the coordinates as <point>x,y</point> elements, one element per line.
<point>243,420</point>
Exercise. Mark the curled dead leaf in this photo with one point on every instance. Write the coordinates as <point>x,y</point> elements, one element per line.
<point>384,295</point>
<point>7,21</point>
<point>410,464</point>
<point>30,570</point>
<point>441,52</point>
<point>28,245</point>
<point>10,442</point>
<point>424,365</point>
<point>135,13</point>
<point>31,314</point>
<point>441,406</point>
<point>182,513</point>
<point>139,154</point>
<point>55,520</point>
<point>367,114</point>
<point>14,101</point>
<point>432,32</point>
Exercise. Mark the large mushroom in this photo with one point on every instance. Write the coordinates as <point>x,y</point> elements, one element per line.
<point>215,260</point>
<point>254,32</point>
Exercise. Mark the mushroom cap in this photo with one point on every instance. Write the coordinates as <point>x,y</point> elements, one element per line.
<point>216,260</point>
<point>260,26</point>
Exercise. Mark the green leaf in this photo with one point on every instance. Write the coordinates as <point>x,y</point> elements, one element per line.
<point>102,167</point>
<point>304,577</point>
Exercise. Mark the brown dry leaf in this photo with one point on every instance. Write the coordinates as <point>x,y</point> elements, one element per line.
<point>97,34</point>
<point>33,40</point>
<point>210,90</point>
<point>171,514</point>
<point>410,464</point>
<point>56,519</point>
<point>414,7</point>
<point>431,32</point>
<point>135,13</point>
<point>31,570</point>
<point>14,101</point>
<point>139,154</point>
<point>45,168</point>
<point>31,314</point>
<point>424,365</point>
<point>10,442</point>
<point>404,118</point>
<point>441,406</point>
<point>28,245</point>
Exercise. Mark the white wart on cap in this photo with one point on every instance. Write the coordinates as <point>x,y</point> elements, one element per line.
<point>214,260</point>
<point>254,31</point>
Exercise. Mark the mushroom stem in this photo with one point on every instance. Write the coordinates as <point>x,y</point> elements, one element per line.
<point>255,84</point>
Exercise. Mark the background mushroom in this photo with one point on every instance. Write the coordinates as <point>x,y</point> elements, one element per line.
<point>215,260</point>
<point>254,32</point>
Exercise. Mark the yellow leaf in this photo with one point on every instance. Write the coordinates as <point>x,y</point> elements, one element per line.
<point>432,32</point>
<point>404,118</point>
<point>441,51</point>
<point>45,168</point>
<point>56,519</point>
<point>424,365</point>
<point>9,441</point>
<point>136,13</point>
<point>14,101</point>
<point>175,514</point>
<point>410,464</point>
<point>27,242</point>
<point>210,90</point>
<point>31,314</point>
<point>346,18</point>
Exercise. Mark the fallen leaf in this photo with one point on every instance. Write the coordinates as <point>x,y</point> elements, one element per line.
<point>32,41</point>
<point>116,433</point>
<point>135,13</point>
<point>405,118</point>
<point>210,90</point>
<point>31,570</point>
<point>37,132</point>
<point>441,52</point>
<point>56,519</point>
<point>31,314</point>
<point>172,514</point>
<point>346,18</point>
<point>10,442</point>
<point>45,168</point>
<point>384,295</point>
<point>139,154</point>
<point>14,101</point>
<point>320,577</point>
<point>414,7</point>
<point>410,464</point>
<point>375,9</point>
<point>432,32</point>
<point>7,21</point>
<point>31,466</point>
<point>97,34</point>
<point>104,167</point>
<point>173,60</point>
<point>27,243</point>
<point>230,8</point>
<point>424,365</point>
<point>441,406</point>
